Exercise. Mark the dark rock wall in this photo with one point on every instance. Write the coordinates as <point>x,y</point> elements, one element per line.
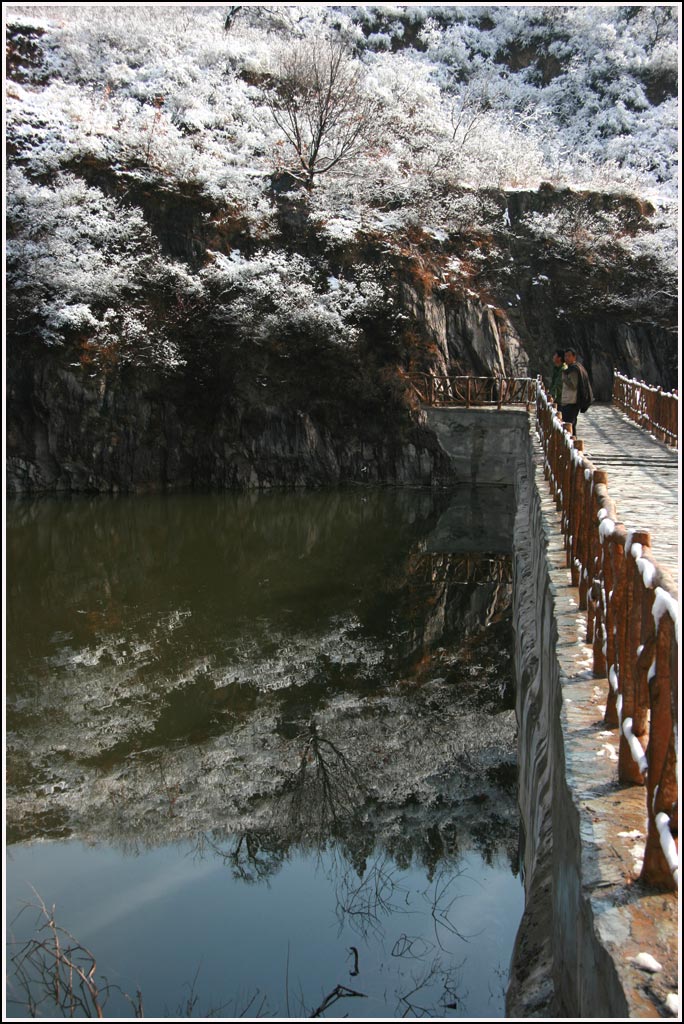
<point>67,431</point>
<point>74,425</point>
<point>475,337</point>
<point>140,429</point>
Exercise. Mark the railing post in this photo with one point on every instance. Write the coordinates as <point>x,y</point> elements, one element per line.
<point>584,524</point>
<point>575,511</point>
<point>658,417</point>
<point>613,568</point>
<point>566,484</point>
<point>595,584</point>
<point>628,769</point>
<point>662,756</point>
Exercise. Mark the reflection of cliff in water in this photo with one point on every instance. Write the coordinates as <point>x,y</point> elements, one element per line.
<point>252,673</point>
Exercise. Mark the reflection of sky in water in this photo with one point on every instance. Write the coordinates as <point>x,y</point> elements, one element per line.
<point>167,914</point>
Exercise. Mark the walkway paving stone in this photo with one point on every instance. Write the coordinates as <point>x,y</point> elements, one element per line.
<point>643,478</point>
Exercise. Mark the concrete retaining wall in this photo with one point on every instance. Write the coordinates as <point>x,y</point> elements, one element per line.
<point>483,445</point>
<point>587,916</point>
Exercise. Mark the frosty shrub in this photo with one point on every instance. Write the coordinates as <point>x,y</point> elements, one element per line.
<point>278,296</point>
<point>585,96</point>
<point>443,105</point>
<point>77,264</point>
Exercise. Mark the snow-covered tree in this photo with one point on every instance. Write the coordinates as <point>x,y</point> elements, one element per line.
<point>320,103</point>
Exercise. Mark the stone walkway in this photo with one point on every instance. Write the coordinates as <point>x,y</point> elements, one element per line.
<point>642,478</point>
<point>627,918</point>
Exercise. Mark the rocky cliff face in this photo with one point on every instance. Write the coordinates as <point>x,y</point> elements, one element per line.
<point>260,416</point>
<point>69,431</point>
<point>155,232</point>
<point>553,269</point>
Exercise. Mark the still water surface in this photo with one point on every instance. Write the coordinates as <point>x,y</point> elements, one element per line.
<point>262,746</point>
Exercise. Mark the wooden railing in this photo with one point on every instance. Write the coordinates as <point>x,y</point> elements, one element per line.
<point>470,392</point>
<point>633,626</point>
<point>652,408</point>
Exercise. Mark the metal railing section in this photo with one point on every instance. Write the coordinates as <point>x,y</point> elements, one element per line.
<point>652,408</point>
<point>633,626</point>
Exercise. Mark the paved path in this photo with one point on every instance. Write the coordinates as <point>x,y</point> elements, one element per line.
<point>642,478</point>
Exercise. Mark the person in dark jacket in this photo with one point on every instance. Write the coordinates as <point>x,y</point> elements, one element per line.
<point>572,388</point>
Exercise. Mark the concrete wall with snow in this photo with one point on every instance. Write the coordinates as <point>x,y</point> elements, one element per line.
<point>588,921</point>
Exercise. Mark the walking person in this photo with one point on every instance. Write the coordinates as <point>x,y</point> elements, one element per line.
<point>576,393</point>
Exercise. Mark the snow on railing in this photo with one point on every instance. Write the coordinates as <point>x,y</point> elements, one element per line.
<point>633,626</point>
<point>474,391</point>
<point>652,408</point>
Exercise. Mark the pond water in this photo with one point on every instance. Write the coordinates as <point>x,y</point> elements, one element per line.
<point>261,753</point>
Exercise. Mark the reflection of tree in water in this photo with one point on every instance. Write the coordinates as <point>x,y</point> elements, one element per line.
<point>401,689</point>
<point>252,856</point>
<point>321,800</point>
<point>325,794</point>
<point>360,721</point>
<point>431,977</point>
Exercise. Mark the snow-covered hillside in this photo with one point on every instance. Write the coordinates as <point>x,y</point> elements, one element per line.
<point>203,189</point>
<point>507,96</point>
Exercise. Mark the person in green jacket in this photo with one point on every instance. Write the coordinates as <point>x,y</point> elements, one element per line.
<point>557,376</point>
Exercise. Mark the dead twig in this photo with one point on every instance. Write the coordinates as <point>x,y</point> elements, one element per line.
<point>339,992</point>
<point>59,970</point>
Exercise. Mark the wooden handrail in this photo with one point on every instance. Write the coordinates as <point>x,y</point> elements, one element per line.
<point>470,392</point>
<point>633,626</point>
<point>652,408</point>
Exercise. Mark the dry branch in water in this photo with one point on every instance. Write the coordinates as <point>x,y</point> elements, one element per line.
<point>339,992</point>
<point>55,969</point>
<point>54,975</point>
